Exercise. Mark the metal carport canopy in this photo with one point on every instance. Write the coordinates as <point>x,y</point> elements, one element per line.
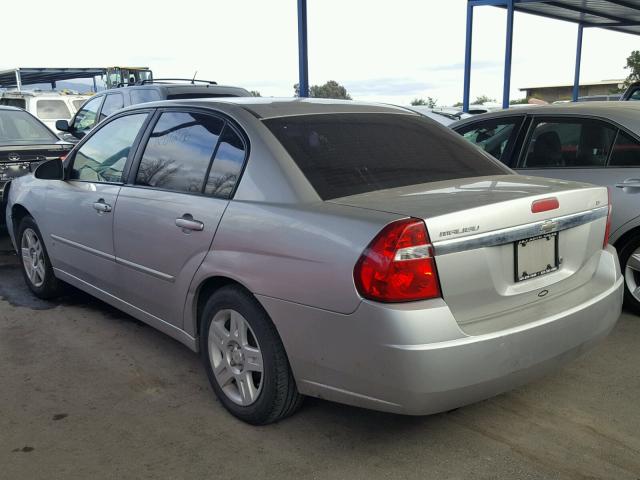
<point>16,77</point>
<point>617,15</point>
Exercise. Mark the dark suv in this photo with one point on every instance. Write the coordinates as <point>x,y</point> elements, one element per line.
<point>103,104</point>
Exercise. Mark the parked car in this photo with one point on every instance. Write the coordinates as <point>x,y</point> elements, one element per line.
<point>354,252</point>
<point>25,142</point>
<point>632,92</point>
<point>48,106</point>
<point>596,142</point>
<point>102,105</point>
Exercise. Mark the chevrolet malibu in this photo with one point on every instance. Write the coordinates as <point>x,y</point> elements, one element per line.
<point>354,252</point>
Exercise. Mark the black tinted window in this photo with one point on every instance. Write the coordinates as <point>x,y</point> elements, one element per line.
<point>102,158</point>
<point>179,152</point>
<point>569,143</point>
<point>144,95</point>
<point>626,151</point>
<point>347,154</point>
<point>227,165</point>
<point>112,103</point>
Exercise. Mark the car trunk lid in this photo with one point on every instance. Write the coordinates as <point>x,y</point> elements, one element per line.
<point>477,227</point>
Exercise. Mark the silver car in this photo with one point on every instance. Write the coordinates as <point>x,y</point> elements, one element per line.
<point>354,252</point>
<point>595,142</point>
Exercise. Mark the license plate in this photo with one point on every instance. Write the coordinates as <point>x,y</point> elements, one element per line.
<point>536,256</point>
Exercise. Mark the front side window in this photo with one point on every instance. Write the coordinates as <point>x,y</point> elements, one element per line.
<point>346,154</point>
<point>626,151</point>
<point>492,136</point>
<point>112,103</point>
<point>87,116</point>
<point>52,109</point>
<point>635,95</point>
<point>567,143</point>
<point>103,156</point>
<point>179,152</point>
<point>18,127</point>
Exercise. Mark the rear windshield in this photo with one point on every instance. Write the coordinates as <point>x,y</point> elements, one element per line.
<point>18,127</point>
<point>52,109</point>
<point>347,154</point>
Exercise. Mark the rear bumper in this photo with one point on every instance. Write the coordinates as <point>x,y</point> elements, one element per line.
<point>414,359</point>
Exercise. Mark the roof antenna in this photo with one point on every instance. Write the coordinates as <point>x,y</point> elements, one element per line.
<point>193,80</point>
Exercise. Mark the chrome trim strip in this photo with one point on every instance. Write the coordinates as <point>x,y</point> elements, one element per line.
<point>84,248</point>
<point>513,234</point>
<point>147,270</point>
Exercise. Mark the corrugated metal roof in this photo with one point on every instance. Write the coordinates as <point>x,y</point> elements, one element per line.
<point>31,76</point>
<point>618,15</point>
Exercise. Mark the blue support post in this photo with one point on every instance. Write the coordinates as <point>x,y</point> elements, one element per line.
<point>467,59</point>
<point>507,56</point>
<point>576,78</point>
<point>303,61</point>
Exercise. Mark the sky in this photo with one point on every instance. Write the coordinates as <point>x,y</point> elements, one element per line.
<point>379,50</point>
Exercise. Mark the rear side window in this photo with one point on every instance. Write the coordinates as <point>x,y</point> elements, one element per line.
<point>179,152</point>
<point>348,154</point>
<point>227,164</point>
<point>112,103</point>
<point>103,156</point>
<point>492,136</point>
<point>52,109</point>
<point>144,95</point>
<point>569,143</point>
<point>626,151</point>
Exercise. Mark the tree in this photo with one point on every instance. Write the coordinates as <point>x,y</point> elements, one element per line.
<point>429,102</point>
<point>633,64</point>
<point>519,101</point>
<point>478,101</point>
<point>331,89</point>
<point>255,93</point>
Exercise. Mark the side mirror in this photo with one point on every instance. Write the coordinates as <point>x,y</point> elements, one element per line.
<point>62,125</point>
<point>50,170</point>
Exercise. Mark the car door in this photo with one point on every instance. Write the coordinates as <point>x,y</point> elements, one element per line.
<point>582,149</point>
<point>79,210</point>
<point>170,209</point>
<point>496,136</point>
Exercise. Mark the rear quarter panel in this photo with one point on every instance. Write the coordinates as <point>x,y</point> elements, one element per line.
<point>298,253</point>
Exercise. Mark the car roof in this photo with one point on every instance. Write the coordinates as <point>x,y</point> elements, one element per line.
<point>624,113</point>
<point>273,107</point>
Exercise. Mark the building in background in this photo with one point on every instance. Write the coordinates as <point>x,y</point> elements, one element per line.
<point>553,93</point>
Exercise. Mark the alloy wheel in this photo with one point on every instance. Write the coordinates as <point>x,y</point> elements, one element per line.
<point>33,257</point>
<point>236,359</point>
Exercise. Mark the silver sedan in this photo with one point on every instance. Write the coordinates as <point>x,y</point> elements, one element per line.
<point>354,252</point>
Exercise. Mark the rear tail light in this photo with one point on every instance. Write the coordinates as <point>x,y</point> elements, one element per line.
<point>607,230</point>
<point>398,265</point>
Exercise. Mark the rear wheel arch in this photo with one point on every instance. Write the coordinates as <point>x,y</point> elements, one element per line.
<point>626,237</point>
<point>205,290</point>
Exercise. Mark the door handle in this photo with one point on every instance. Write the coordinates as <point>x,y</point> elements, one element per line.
<point>629,183</point>
<point>102,207</point>
<point>187,223</point>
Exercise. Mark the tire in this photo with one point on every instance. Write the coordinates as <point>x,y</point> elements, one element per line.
<point>44,284</point>
<point>236,337</point>
<point>630,266</point>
